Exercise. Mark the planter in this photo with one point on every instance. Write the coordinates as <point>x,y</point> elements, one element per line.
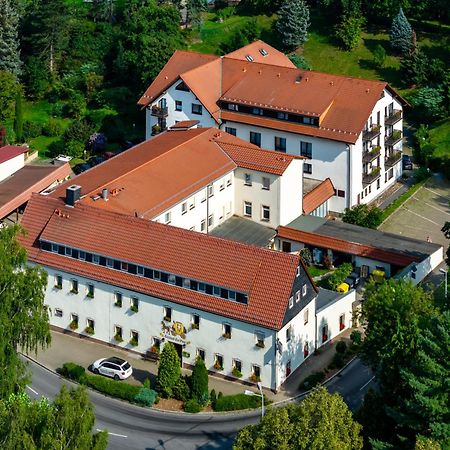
<point>88,295</point>
<point>260,344</point>
<point>255,378</point>
<point>89,330</point>
<point>218,366</point>
<point>167,319</point>
<point>58,286</point>
<point>73,325</point>
<point>154,349</point>
<point>118,338</point>
<point>236,373</point>
<point>134,342</point>
<point>226,335</point>
<point>194,326</point>
<point>73,291</point>
<point>134,308</point>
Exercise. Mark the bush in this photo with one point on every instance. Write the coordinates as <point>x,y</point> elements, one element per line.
<point>299,61</point>
<point>113,388</point>
<point>429,102</point>
<point>31,129</point>
<point>213,397</point>
<point>146,397</point>
<point>356,337</point>
<point>74,372</point>
<point>338,361</point>
<point>236,373</point>
<point>363,215</point>
<point>348,32</point>
<point>236,402</point>
<point>338,276</point>
<point>305,253</point>
<point>199,382</point>
<point>312,380</point>
<point>379,55</point>
<point>192,406</point>
<point>78,130</point>
<point>181,390</point>
<point>75,106</point>
<point>169,371</point>
<point>53,128</point>
<point>341,347</point>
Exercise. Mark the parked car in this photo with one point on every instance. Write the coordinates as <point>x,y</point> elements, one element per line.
<point>95,160</point>
<point>113,367</point>
<point>353,280</point>
<point>81,168</point>
<point>63,158</point>
<point>407,163</point>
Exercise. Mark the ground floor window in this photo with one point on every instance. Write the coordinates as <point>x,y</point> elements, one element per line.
<point>341,322</point>
<point>134,338</point>
<point>118,333</point>
<point>305,350</point>
<point>256,372</point>
<point>324,333</point>
<point>218,363</point>
<point>73,321</point>
<point>58,312</point>
<point>237,368</point>
<point>288,368</point>
<point>201,354</point>
<point>90,326</point>
<point>58,282</point>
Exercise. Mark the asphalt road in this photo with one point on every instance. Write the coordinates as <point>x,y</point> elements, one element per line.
<point>132,427</point>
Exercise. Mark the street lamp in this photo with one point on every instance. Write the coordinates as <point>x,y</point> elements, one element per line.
<point>445,272</point>
<point>251,393</point>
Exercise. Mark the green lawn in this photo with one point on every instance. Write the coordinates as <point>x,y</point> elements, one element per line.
<point>315,271</point>
<point>440,136</point>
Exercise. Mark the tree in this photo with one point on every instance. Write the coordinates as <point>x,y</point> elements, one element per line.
<point>23,315</point>
<point>8,91</point>
<point>429,102</point>
<point>9,39</point>
<point>379,55</point>
<point>446,230</point>
<point>363,215</point>
<point>194,9</point>
<point>394,312</point>
<point>293,23</point>
<point>66,423</point>
<point>320,421</point>
<point>169,371</point>
<point>349,31</point>
<point>199,382</point>
<point>18,118</point>
<point>299,61</point>
<point>401,33</point>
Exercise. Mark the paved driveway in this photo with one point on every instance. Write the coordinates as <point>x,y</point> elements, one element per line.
<point>424,213</point>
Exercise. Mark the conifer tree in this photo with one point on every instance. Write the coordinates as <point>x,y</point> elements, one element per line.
<point>401,34</point>
<point>9,40</point>
<point>18,118</point>
<point>293,23</point>
<point>199,382</point>
<point>169,370</point>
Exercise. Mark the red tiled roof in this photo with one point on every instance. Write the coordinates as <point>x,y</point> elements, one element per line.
<point>11,151</point>
<point>320,194</point>
<point>250,156</point>
<point>184,124</point>
<point>266,275</point>
<point>340,245</point>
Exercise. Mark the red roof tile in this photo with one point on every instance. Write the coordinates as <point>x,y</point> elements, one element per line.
<point>266,275</point>
<point>340,245</point>
<point>184,124</point>
<point>320,194</point>
<point>11,151</point>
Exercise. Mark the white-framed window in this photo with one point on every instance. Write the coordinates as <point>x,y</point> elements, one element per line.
<point>167,313</point>
<point>248,209</point>
<point>232,295</point>
<point>134,335</point>
<point>307,168</point>
<point>260,339</point>
<point>178,105</point>
<point>226,330</point>
<point>186,283</point>
<point>195,321</point>
<point>288,334</point>
<point>58,281</point>
<point>297,296</point>
<point>256,370</point>
<point>167,217</point>
<point>184,208</point>
<point>230,130</point>
<point>68,251</point>
<point>291,302</point>
<point>237,364</point>
<point>74,321</point>
<point>216,291</point>
<point>266,183</point>
<point>203,225</point>
<point>134,304</point>
<point>55,248</point>
<point>95,259</point>
<point>202,287</point>
<point>124,266</point>
<point>201,353</point>
<point>210,220</point>
<point>118,299</point>
<point>233,107</point>
<point>140,270</point>
<point>197,109</point>
<point>218,361</point>
<point>156,274</point>
<point>90,323</point>
<point>82,255</point>
<point>191,203</point>
<point>118,333</point>
<point>265,213</point>
<point>210,190</point>
<point>172,278</point>
<point>74,286</point>
<point>304,289</point>
<point>90,290</point>
<point>109,262</point>
<point>247,179</point>
<point>203,198</point>
<point>58,312</point>
<point>305,317</point>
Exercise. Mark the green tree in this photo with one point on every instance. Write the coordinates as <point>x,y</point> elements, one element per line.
<point>18,118</point>
<point>8,92</point>
<point>66,423</point>
<point>169,371</point>
<point>394,312</point>
<point>194,10</point>
<point>23,315</point>
<point>363,215</point>
<point>429,103</point>
<point>299,61</point>
<point>9,39</point>
<point>379,55</point>
<point>401,34</point>
<point>349,31</point>
<point>321,421</point>
<point>199,382</point>
<point>446,230</point>
<point>293,23</point>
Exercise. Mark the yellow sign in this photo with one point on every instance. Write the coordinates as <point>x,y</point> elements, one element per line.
<point>178,328</point>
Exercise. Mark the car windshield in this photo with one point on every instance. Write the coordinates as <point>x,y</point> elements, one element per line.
<point>126,366</point>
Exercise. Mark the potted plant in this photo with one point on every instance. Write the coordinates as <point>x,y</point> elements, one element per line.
<point>227,335</point>
<point>194,326</point>
<point>73,325</point>
<point>134,308</point>
<point>118,338</point>
<point>89,330</point>
<point>217,366</point>
<point>255,378</point>
<point>260,343</point>
<point>236,372</point>
<point>90,295</point>
<point>58,286</point>
<point>134,342</point>
<point>154,349</point>
<point>166,319</point>
<point>74,291</point>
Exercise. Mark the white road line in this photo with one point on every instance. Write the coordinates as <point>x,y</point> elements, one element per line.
<point>32,390</point>
<point>114,434</point>
<point>418,215</point>
<point>435,207</point>
<point>434,192</point>
<point>364,385</point>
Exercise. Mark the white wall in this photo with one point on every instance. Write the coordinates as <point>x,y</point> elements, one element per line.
<point>329,315</point>
<point>291,193</point>
<point>11,166</point>
<point>372,264</point>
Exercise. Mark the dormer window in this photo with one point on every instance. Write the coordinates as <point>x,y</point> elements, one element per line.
<point>258,111</point>
<point>263,52</point>
<point>233,107</point>
<point>249,58</point>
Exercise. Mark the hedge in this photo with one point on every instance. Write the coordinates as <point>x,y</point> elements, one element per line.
<point>312,380</point>
<point>192,406</point>
<point>235,402</point>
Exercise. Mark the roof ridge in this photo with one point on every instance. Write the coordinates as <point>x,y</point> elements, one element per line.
<point>320,184</point>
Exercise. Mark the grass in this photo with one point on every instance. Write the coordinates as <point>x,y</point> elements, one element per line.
<point>315,271</point>
<point>440,136</point>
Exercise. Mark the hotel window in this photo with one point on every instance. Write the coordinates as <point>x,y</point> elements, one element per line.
<point>218,361</point>
<point>68,251</point>
<point>258,111</point>
<point>74,286</point>
<point>255,138</point>
<point>197,109</point>
<point>307,168</point>
<point>305,317</point>
<point>95,259</point>
<point>211,220</point>
<point>237,364</point>
<point>288,333</point>
<point>90,290</point>
<point>230,130</point>
<point>58,281</point>
<point>134,304</point>
<point>167,314</point>
<point>280,144</point>
<point>341,193</point>
<point>90,323</point>
<point>247,179</point>
<point>248,209</point>
<point>282,115</point>
<point>201,354</point>
<point>167,217</point>
<point>233,107</point>
<point>109,262</point>
<point>291,302</point>
<point>304,289</point>
<point>259,336</point>
<point>118,333</point>
<point>192,203</point>
<point>226,330</point>
<point>124,266</point>
<point>74,321</point>
<point>297,296</point>
<point>210,190</point>
<point>229,181</point>
<point>134,338</point>
<point>265,213</point>
<point>172,279</point>
<point>195,321</point>
<point>184,208</point>
<point>178,105</point>
<point>118,299</point>
<point>203,225</point>
<point>58,312</point>
<point>82,255</point>
<point>266,183</point>
<point>306,149</point>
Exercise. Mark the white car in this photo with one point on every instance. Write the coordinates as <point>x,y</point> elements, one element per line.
<point>63,158</point>
<point>116,368</point>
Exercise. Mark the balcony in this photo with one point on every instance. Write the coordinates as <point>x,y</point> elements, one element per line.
<point>393,117</point>
<point>371,133</point>
<point>156,129</point>
<point>372,176</point>
<point>393,159</point>
<point>160,111</point>
<point>395,137</point>
<point>372,154</point>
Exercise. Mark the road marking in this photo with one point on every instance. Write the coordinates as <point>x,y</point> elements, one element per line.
<point>435,193</point>
<point>32,390</point>
<point>114,434</point>
<point>435,207</point>
<point>365,384</point>
<point>418,215</point>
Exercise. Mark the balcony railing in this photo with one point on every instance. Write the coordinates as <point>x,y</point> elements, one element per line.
<point>160,111</point>
<point>372,154</point>
<point>156,129</point>
<point>393,117</point>
<point>393,159</point>
<point>371,133</point>
<point>395,137</point>
<point>372,176</point>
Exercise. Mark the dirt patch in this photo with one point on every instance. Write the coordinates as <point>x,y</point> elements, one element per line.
<point>169,404</point>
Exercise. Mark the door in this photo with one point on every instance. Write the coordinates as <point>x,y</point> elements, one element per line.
<point>106,369</point>
<point>324,333</point>
<point>179,349</point>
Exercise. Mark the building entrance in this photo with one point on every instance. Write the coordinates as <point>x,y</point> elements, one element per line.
<point>179,349</point>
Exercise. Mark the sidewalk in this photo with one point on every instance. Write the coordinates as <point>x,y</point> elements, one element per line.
<point>66,348</point>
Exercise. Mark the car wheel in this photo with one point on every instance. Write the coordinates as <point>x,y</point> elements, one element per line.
<point>96,371</point>
<point>116,377</point>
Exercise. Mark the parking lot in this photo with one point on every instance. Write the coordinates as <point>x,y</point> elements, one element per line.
<point>424,213</point>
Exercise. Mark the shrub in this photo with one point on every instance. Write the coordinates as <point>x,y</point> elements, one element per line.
<point>338,361</point>
<point>348,32</point>
<point>145,397</point>
<point>220,394</point>
<point>341,347</point>
<point>379,55</point>
<point>363,215</point>
<point>31,129</point>
<point>199,382</point>
<point>429,102</point>
<point>236,402</point>
<point>192,406</point>
<point>89,330</point>
<point>74,372</point>
<point>356,337</point>
<point>312,380</point>
<point>299,61</point>
<point>181,390</point>
<point>113,388</point>
<point>78,130</point>
<point>169,370</point>
<point>338,276</point>
<point>213,396</point>
<point>75,106</point>
<point>53,128</point>
<point>236,373</point>
<point>305,253</point>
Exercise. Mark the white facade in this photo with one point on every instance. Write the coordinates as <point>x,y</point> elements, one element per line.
<point>7,168</point>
